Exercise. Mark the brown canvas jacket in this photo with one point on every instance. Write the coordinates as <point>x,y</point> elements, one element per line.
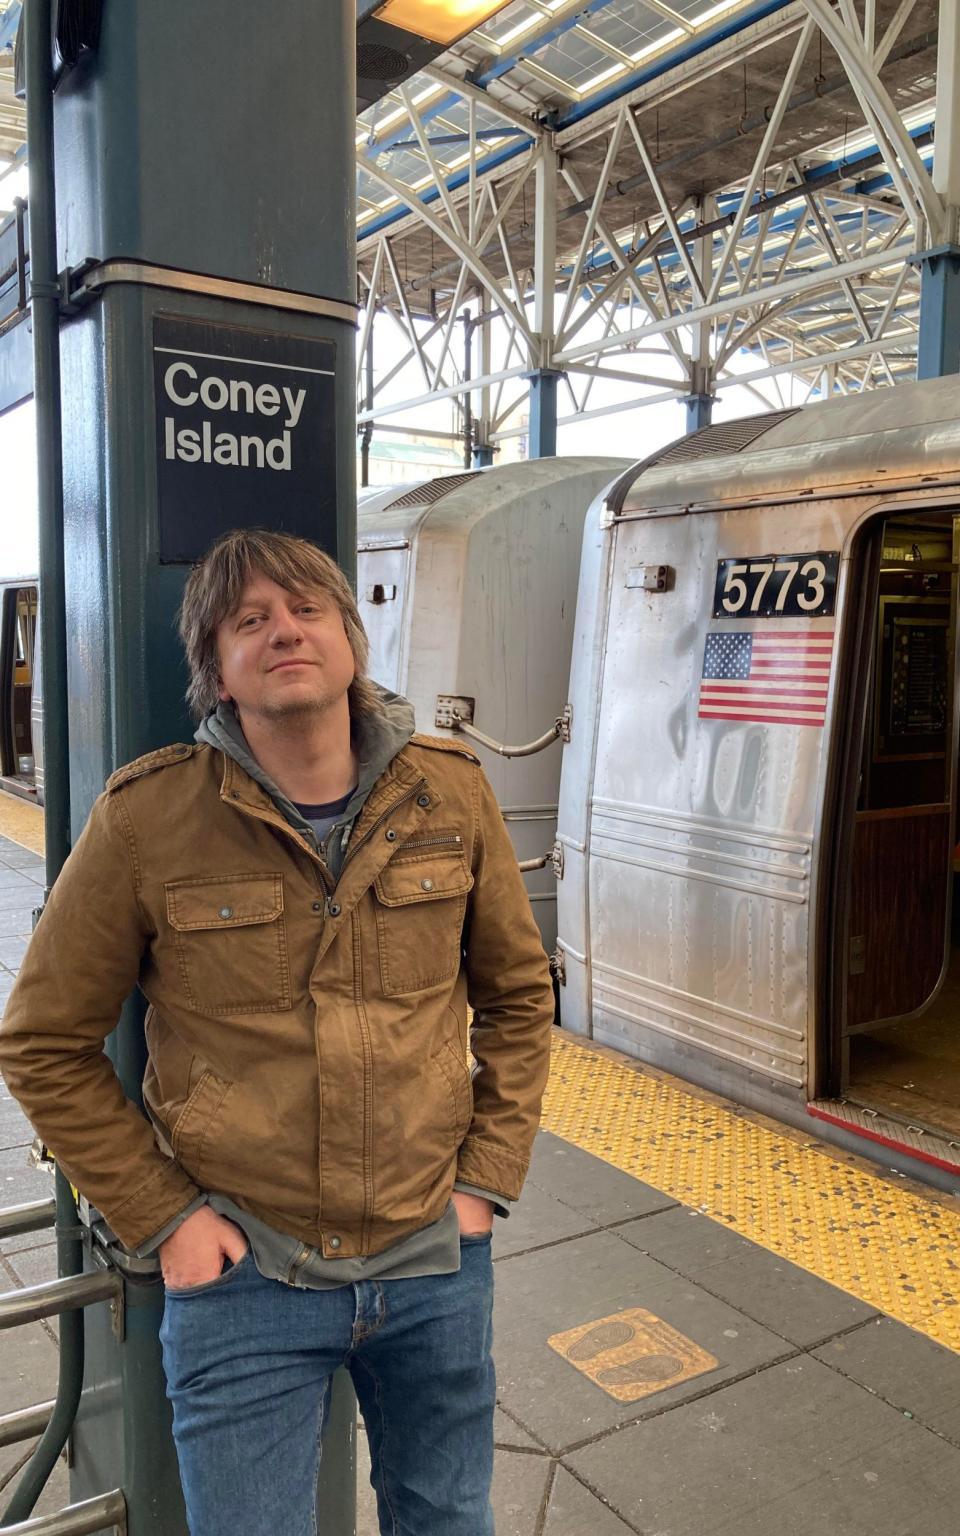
<point>307,1043</point>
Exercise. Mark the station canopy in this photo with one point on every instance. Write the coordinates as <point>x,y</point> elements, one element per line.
<point>799,132</point>
<point>809,128</point>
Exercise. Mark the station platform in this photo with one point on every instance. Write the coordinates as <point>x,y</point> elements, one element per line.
<point>706,1324</point>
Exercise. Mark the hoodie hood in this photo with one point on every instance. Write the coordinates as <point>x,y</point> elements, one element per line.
<point>377,738</point>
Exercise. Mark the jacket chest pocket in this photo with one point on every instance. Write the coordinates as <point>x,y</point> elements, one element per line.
<point>231,942</point>
<point>420,905</point>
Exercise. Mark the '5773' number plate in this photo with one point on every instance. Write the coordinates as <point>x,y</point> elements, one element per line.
<point>777,586</point>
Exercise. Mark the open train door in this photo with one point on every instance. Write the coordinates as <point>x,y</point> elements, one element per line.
<point>896,1027</point>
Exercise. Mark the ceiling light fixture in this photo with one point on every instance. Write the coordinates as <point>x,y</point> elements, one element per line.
<point>441,21</point>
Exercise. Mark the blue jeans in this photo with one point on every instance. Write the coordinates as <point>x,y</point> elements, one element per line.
<point>249,1363</point>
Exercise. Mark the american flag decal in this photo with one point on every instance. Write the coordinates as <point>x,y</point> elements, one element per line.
<point>779,677</point>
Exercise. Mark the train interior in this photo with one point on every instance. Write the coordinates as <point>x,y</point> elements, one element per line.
<point>899,1053</point>
<point>18,630</point>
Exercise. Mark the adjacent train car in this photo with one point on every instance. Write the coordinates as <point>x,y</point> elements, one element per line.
<point>21,711</point>
<point>467,586</point>
<point>758,807</point>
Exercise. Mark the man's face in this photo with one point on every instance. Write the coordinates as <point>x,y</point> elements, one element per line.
<point>283,653</point>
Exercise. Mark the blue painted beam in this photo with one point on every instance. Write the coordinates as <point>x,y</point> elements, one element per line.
<point>506,62</point>
<point>432,195</point>
<point>542,428</point>
<point>938,343</point>
<point>691,49</point>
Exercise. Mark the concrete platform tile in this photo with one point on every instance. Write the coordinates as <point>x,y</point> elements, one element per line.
<point>12,952</point>
<point>31,1266</point>
<point>519,1485</point>
<point>905,1368</point>
<point>55,1496</point>
<point>573,1510</point>
<point>536,1219</point>
<point>18,921</point>
<point>15,1128</point>
<point>28,1366</point>
<point>12,879</point>
<point>709,1466</point>
<point>588,1184</point>
<point>20,1181</point>
<point>600,1276</point>
<point>909,1487</point>
<point>18,897</point>
<point>18,857</point>
<point>788,1300</point>
<point>685,1240</point>
<point>12,1245</point>
<point>510,1436</point>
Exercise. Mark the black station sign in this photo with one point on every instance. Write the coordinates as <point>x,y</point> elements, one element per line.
<point>245,434</point>
<point>800,586</point>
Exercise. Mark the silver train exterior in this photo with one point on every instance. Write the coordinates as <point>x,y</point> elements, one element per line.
<point>701,910</point>
<point>467,588</point>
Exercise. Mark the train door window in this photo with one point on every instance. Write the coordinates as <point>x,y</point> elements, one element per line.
<point>18,638</point>
<point>899,1032</point>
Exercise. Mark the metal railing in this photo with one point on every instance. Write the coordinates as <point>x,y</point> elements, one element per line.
<point>68,1294</point>
<point>18,1220</point>
<point>107,1512</point>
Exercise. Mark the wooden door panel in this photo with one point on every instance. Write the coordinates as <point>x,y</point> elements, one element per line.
<point>898,909</point>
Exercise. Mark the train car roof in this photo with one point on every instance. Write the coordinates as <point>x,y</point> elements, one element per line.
<point>390,516</point>
<point>885,437</point>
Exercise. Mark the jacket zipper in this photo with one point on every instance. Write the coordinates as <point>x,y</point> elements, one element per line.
<point>432,842</point>
<point>353,847</point>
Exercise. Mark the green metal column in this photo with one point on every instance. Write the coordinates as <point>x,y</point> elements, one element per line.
<point>204,161</point>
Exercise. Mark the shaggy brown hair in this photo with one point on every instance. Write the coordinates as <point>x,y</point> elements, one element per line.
<point>214,590</point>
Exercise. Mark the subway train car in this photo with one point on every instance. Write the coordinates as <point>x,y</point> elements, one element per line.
<point>758,807</point>
<point>21,747</point>
<point>467,585</point>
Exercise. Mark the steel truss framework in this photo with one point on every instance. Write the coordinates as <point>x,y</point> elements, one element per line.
<point>750,215</point>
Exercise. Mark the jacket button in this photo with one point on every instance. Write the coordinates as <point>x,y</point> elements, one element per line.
<point>426,885</point>
<point>226,911</point>
<point>317,906</point>
<point>334,909</point>
<point>334,1242</point>
<point>423,799</point>
<point>390,835</point>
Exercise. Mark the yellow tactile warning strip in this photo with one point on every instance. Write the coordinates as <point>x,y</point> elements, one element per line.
<point>632,1354</point>
<point>21,822</point>
<point>896,1249</point>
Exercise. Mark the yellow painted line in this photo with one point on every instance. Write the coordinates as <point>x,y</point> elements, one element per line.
<point>897,1249</point>
<point>21,822</point>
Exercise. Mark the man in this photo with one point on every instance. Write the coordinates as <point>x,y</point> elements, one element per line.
<point>308,898</point>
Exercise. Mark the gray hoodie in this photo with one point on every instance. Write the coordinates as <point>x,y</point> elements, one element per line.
<point>377,740</point>
<point>434,1250</point>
